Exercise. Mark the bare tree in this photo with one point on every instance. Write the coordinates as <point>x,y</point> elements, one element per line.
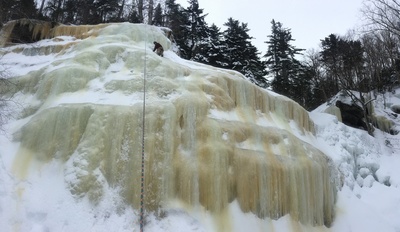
<point>313,61</point>
<point>353,79</point>
<point>41,7</point>
<point>121,10</point>
<point>383,15</point>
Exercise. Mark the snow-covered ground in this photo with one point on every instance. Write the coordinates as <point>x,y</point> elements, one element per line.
<point>370,197</point>
<point>368,201</point>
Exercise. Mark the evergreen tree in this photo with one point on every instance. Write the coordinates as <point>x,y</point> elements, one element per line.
<point>158,16</point>
<point>330,57</point>
<point>212,52</point>
<point>194,31</point>
<point>344,63</point>
<point>303,90</point>
<point>240,54</point>
<point>255,68</point>
<point>134,15</point>
<point>281,62</point>
<point>174,18</point>
<point>316,74</point>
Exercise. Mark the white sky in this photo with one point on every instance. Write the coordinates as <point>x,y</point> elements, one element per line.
<point>309,20</point>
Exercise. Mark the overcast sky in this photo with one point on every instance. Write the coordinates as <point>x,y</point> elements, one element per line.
<point>309,20</point>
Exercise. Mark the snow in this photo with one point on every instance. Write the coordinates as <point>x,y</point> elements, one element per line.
<point>369,199</point>
<point>37,201</point>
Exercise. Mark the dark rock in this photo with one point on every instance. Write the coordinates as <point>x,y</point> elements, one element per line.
<point>352,115</point>
<point>396,109</point>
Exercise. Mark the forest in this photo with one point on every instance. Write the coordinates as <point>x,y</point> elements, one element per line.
<point>355,64</point>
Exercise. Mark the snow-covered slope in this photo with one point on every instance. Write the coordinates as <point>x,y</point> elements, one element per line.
<point>370,197</point>
<point>220,153</point>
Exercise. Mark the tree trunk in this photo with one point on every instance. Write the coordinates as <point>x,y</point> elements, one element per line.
<point>41,7</point>
<point>58,16</point>
<point>121,10</point>
<point>150,13</point>
<point>367,114</point>
<point>140,10</point>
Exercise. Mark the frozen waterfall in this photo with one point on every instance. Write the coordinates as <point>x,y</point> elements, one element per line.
<point>212,138</point>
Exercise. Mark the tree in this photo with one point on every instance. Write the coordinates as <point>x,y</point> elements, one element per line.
<point>174,18</point>
<point>27,9</point>
<point>40,11</point>
<point>194,31</point>
<point>150,11</point>
<point>213,52</point>
<point>241,55</point>
<point>382,54</point>
<point>344,60</point>
<point>383,15</point>
<point>319,86</point>
<point>282,63</point>
<point>70,12</point>
<point>353,77</point>
<point>121,11</point>
<point>303,91</point>
<point>5,11</point>
<point>330,57</point>
<point>254,68</point>
<point>158,16</point>
<point>106,11</point>
<point>54,10</point>
<point>134,15</point>
<point>140,8</point>
<point>16,9</point>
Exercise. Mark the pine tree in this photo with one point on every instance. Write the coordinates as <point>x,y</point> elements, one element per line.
<point>330,57</point>
<point>134,15</point>
<point>174,18</point>
<point>212,52</point>
<point>241,55</point>
<point>194,31</point>
<point>235,37</point>
<point>158,17</point>
<point>255,68</point>
<point>281,62</point>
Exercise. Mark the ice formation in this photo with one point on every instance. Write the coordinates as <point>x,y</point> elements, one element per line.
<point>211,137</point>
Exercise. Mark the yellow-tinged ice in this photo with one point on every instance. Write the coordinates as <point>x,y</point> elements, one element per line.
<point>211,137</point>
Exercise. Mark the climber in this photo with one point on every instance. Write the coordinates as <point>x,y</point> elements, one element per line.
<point>158,49</point>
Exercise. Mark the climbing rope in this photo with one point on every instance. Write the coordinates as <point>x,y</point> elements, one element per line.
<point>143,130</point>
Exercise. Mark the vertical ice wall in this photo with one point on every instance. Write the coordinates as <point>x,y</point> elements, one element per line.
<point>211,137</point>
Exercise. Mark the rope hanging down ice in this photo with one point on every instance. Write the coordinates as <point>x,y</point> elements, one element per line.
<point>143,130</point>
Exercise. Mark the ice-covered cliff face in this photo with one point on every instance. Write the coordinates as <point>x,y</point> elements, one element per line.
<point>211,137</point>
